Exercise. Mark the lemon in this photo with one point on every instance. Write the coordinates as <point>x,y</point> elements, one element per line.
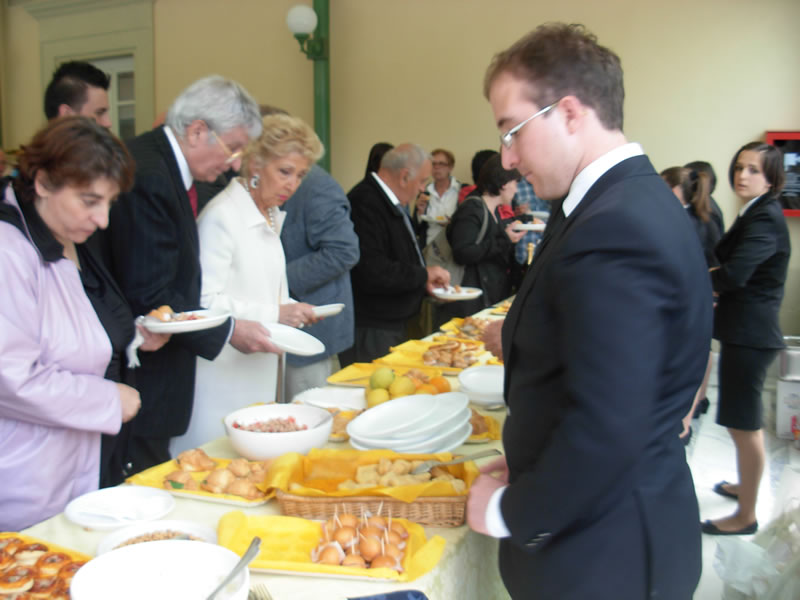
<point>378,396</point>
<point>402,386</point>
<point>381,378</point>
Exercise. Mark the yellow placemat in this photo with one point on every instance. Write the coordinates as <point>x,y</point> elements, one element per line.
<point>320,472</point>
<point>154,477</point>
<point>73,554</point>
<point>287,542</point>
<point>358,374</point>
<point>410,353</point>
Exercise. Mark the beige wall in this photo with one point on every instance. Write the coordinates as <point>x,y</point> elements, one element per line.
<point>702,78</point>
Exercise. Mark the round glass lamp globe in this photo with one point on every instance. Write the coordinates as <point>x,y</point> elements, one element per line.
<point>301,19</point>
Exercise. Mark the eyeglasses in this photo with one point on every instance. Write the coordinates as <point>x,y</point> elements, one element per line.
<point>232,156</point>
<point>507,138</point>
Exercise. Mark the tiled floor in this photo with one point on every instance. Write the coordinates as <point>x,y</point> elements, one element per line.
<point>712,458</point>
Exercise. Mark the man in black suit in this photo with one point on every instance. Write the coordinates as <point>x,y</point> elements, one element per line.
<point>604,345</point>
<point>152,247</point>
<point>390,278</point>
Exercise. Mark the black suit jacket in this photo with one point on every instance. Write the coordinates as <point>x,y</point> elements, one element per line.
<point>605,345</point>
<point>388,281</point>
<point>753,256</point>
<point>152,248</point>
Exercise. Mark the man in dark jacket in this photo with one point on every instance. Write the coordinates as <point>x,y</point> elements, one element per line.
<point>390,278</point>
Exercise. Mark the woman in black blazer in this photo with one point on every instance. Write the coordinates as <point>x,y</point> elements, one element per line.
<point>753,258</point>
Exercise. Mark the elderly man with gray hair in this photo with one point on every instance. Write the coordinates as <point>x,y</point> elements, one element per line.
<point>390,278</point>
<point>151,246</point>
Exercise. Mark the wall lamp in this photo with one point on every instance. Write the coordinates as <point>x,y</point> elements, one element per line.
<point>310,27</point>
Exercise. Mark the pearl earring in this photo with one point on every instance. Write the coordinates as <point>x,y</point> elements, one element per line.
<point>254,180</point>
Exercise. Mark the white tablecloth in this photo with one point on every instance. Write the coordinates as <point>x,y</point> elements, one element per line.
<point>467,570</point>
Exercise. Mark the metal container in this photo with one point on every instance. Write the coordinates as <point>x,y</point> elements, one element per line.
<point>789,367</point>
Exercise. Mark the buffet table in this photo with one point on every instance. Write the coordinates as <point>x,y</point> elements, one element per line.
<point>467,569</point>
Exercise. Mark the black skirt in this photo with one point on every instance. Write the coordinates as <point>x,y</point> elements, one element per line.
<point>742,371</point>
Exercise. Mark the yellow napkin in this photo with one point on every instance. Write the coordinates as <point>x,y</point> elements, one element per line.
<point>358,374</point>
<point>319,474</point>
<point>287,542</point>
<point>154,477</point>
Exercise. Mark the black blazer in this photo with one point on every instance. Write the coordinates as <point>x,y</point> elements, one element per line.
<point>708,233</point>
<point>152,248</point>
<point>388,281</point>
<point>487,264</point>
<point>753,256</point>
<point>604,347</point>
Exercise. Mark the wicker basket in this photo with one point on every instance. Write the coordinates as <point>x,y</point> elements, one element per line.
<point>438,511</point>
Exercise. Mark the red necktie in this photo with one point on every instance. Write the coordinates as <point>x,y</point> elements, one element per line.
<point>192,191</point>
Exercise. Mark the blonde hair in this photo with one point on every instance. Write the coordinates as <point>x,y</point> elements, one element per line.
<point>282,135</point>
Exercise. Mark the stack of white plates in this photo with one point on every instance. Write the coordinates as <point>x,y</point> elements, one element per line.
<point>484,385</point>
<point>420,424</point>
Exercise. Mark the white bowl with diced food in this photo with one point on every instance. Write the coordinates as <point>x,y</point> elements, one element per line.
<point>160,570</point>
<point>269,430</point>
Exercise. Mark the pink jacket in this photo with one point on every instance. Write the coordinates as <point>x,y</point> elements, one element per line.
<point>54,402</point>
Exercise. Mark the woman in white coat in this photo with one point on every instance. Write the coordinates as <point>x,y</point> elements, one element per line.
<point>244,271</point>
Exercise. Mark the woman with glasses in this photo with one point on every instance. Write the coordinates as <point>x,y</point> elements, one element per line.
<point>244,270</point>
<point>753,259</point>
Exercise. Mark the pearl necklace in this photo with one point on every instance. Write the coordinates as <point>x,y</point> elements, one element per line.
<point>268,212</point>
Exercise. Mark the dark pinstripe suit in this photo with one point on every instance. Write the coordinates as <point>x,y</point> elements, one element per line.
<point>152,247</point>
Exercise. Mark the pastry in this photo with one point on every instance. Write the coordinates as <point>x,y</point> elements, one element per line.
<point>245,488</point>
<point>28,554</point>
<point>11,544</point>
<point>180,480</point>
<point>217,481</point>
<point>44,587</point>
<point>195,460</point>
<point>50,564</point>
<point>162,313</point>
<point>17,579</point>
<point>239,467</point>
<point>67,572</point>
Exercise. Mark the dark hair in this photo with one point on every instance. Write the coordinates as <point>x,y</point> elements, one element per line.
<point>702,166</point>
<point>480,158</point>
<point>72,151</point>
<point>451,159</point>
<point>493,176</point>
<point>771,164</point>
<point>695,188</point>
<point>375,155</point>
<point>558,60</point>
<point>69,86</point>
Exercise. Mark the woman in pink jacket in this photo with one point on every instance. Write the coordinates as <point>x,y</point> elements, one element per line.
<point>55,343</point>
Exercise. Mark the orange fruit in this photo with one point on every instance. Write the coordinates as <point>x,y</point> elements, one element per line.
<point>416,380</point>
<point>427,388</point>
<point>441,384</point>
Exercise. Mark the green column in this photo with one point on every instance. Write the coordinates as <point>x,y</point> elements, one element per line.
<point>322,81</point>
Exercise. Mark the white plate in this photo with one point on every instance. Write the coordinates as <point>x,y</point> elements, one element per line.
<point>218,499</point>
<point>466,293</point>
<point>160,571</point>
<point>198,530</point>
<point>327,310</point>
<point>210,318</point>
<point>428,442</point>
<point>112,508</point>
<point>343,398</point>
<point>484,385</point>
<point>452,441</point>
<point>441,220</point>
<point>448,408</point>
<point>529,226</point>
<point>540,214</point>
<point>293,340</point>
<point>393,417</point>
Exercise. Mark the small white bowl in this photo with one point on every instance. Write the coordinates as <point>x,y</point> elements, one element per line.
<point>255,445</point>
<point>160,571</point>
<point>196,530</point>
<point>483,384</point>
